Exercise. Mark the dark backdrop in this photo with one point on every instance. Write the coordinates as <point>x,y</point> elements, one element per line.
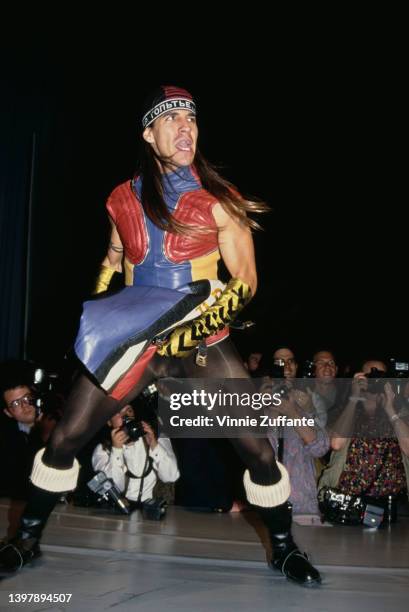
<point>318,140</point>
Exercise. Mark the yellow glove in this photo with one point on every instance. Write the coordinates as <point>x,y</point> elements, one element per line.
<point>185,338</point>
<point>103,280</point>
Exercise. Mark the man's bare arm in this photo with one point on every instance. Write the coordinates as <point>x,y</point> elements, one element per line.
<point>236,247</point>
<point>112,262</point>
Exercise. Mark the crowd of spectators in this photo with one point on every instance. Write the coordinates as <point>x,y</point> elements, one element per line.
<point>359,442</point>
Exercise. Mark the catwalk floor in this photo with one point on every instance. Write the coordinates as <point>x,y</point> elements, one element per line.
<point>201,562</point>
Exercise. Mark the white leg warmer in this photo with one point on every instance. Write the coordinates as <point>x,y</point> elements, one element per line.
<point>51,479</point>
<point>271,495</point>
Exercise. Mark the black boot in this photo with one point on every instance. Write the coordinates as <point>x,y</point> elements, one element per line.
<point>287,558</point>
<point>24,547</point>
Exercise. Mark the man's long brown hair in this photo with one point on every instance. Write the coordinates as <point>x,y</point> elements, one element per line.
<point>154,204</point>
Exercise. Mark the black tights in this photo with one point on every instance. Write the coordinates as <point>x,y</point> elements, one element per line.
<point>89,408</point>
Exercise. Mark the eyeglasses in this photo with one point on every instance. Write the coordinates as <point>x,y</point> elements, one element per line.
<point>27,400</point>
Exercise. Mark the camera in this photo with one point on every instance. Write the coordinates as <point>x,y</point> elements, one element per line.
<point>132,428</point>
<point>154,509</point>
<point>106,489</point>
<point>277,371</point>
<point>48,401</point>
<point>344,509</point>
<point>307,370</point>
<point>398,369</point>
<point>340,508</point>
<point>149,398</point>
<point>375,382</point>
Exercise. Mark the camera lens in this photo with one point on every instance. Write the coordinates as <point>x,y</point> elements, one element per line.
<point>133,428</point>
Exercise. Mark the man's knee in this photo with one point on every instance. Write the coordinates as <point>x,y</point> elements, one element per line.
<point>265,456</point>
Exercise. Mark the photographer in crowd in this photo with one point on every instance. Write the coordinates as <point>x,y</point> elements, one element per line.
<point>24,429</point>
<point>134,457</point>
<point>296,446</point>
<point>252,362</point>
<point>285,365</point>
<point>324,390</point>
<point>370,440</point>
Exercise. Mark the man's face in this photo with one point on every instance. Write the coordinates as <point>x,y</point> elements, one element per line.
<point>287,357</point>
<point>173,136</point>
<point>325,367</point>
<point>253,361</point>
<point>20,405</point>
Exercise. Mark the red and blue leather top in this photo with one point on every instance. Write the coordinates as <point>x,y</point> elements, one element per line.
<point>155,257</point>
<point>155,262</point>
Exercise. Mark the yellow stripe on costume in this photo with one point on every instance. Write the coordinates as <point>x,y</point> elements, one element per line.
<point>185,338</point>
<point>104,278</point>
<point>129,271</point>
<point>205,266</point>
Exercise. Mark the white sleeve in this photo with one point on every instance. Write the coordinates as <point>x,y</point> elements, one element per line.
<point>111,463</point>
<point>164,461</point>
